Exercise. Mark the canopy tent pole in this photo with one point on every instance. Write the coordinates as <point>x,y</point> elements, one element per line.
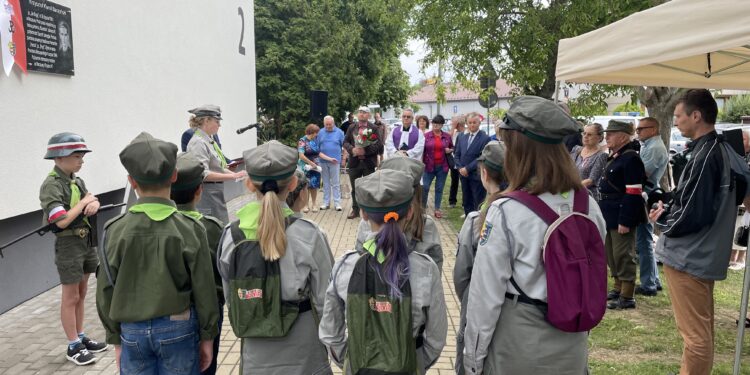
<point>557,91</point>
<point>741,320</point>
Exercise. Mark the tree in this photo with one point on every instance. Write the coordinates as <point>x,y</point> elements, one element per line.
<point>345,48</point>
<point>736,107</point>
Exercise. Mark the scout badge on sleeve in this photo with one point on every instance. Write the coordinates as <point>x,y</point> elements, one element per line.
<point>485,233</point>
<point>380,325</point>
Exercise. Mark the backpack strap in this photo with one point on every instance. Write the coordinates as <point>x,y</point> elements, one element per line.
<point>535,204</point>
<point>581,201</point>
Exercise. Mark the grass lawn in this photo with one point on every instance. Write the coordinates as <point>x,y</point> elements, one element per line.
<point>645,340</point>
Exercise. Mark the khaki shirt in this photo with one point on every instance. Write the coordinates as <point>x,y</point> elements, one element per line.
<point>202,147</point>
<point>158,268</point>
<point>427,307</point>
<point>55,193</point>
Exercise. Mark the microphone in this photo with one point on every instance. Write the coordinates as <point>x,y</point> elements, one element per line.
<point>246,128</point>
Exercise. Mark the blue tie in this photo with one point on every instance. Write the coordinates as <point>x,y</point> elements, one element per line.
<point>471,138</point>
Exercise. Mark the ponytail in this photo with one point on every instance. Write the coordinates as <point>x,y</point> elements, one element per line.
<point>392,242</point>
<point>271,223</point>
<point>414,225</point>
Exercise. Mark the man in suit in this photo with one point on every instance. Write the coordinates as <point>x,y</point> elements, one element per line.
<point>468,148</point>
<point>363,157</point>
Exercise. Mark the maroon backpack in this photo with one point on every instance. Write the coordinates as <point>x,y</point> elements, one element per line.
<point>574,261</point>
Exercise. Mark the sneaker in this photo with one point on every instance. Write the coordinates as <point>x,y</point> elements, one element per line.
<point>621,303</point>
<point>94,346</point>
<point>338,208</point>
<point>324,207</point>
<point>452,205</point>
<point>659,288</point>
<point>613,295</point>
<point>463,216</point>
<point>80,355</point>
<point>645,292</point>
<point>353,214</point>
<point>737,266</point>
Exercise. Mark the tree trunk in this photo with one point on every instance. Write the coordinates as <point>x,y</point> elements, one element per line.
<point>660,102</point>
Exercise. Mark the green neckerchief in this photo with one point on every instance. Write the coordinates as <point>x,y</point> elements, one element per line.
<point>371,248</point>
<point>249,216</point>
<point>194,214</point>
<point>75,193</point>
<point>211,140</point>
<point>154,211</point>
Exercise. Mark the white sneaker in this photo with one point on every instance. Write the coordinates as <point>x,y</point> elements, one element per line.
<point>737,266</point>
<point>338,208</point>
<point>463,216</point>
<point>324,207</point>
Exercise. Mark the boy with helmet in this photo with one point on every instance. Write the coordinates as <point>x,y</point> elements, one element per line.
<point>66,204</point>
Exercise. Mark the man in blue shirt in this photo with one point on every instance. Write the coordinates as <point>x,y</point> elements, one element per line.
<point>655,158</point>
<point>330,140</point>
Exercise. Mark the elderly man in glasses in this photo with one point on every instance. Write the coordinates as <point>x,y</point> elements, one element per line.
<point>405,138</point>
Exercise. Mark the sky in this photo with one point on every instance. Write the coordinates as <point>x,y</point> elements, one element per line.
<point>411,63</point>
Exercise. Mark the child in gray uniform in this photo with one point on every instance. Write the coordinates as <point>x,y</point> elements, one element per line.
<point>385,308</point>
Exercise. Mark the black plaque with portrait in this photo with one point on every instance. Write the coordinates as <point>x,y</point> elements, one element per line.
<point>49,37</point>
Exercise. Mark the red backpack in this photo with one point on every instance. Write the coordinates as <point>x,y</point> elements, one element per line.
<point>574,261</point>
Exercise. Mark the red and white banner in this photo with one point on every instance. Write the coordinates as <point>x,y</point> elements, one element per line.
<point>12,36</point>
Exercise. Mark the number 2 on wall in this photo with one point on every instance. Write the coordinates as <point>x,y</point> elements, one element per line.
<point>242,33</point>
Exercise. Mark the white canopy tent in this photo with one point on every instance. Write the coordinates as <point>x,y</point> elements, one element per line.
<point>682,43</point>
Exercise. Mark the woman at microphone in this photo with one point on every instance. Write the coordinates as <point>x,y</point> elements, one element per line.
<point>206,121</point>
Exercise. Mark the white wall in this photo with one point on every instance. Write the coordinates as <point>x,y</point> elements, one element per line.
<point>458,107</point>
<point>140,65</point>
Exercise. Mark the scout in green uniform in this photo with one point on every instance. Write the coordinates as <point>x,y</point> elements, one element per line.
<point>385,310</point>
<point>186,192</point>
<point>154,283</point>
<point>275,268</point>
<point>419,227</point>
<point>66,204</point>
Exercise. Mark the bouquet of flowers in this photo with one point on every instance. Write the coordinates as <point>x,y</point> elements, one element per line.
<point>365,137</point>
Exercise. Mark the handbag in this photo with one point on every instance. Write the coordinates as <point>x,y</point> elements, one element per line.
<point>740,237</point>
<point>451,161</point>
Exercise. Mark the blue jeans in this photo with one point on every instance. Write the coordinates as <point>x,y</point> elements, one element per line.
<point>644,243</point>
<point>439,175</point>
<point>331,181</point>
<point>162,345</point>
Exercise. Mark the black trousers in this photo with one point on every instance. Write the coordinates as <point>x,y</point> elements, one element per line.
<point>360,170</point>
<point>452,197</point>
<point>473,192</point>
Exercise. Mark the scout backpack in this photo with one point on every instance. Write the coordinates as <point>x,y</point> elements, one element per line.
<point>380,326</point>
<point>255,305</point>
<point>574,261</point>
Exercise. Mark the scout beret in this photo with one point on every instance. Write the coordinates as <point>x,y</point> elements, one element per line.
<point>207,110</point>
<point>619,126</point>
<point>412,167</point>
<point>384,190</point>
<point>539,119</point>
<point>149,160</point>
<point>493,156</point>
<point>189,172</point>
<point>270,161</point>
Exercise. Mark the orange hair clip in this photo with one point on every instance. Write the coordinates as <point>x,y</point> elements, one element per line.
<point>391,215</point>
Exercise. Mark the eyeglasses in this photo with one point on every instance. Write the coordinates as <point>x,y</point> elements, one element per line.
<point>638,130</point>
<point>404,116</point>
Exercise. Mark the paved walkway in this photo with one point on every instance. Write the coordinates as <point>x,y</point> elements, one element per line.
<point>32,341</point>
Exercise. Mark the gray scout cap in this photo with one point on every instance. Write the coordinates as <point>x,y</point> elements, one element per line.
<point>620,126</point>
<point>493,156</point>
<point>539,119</point>
<point>189,172</point>
<point>412,167</point>
<point>270,161</point>
<point>207,110</point>
<point>149,160</point>
<point>385,190</point>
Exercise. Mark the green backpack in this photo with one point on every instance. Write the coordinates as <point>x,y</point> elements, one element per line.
<point>255,305</point>
<point>380,327</point>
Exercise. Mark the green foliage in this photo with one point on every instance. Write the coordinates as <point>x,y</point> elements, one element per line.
<point>736,107</point>
<point>591,101</point>
<point>349,49</point>
<point>518,37</point>
<point>497,113</point>
<point>628,107</point>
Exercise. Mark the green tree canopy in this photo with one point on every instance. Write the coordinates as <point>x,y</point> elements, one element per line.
<point>348,48</point>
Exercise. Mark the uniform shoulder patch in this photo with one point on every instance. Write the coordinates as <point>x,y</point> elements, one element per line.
<point>484,234</point>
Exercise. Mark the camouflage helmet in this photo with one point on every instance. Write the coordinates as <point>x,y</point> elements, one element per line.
<point>64,144</point>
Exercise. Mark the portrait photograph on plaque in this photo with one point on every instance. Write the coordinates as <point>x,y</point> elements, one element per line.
<point>49,37</point>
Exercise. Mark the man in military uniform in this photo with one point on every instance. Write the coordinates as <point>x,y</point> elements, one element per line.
<point>186,193</point>
<point>153,283</point>
<point>623,209</point>
<point>67,204</point>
